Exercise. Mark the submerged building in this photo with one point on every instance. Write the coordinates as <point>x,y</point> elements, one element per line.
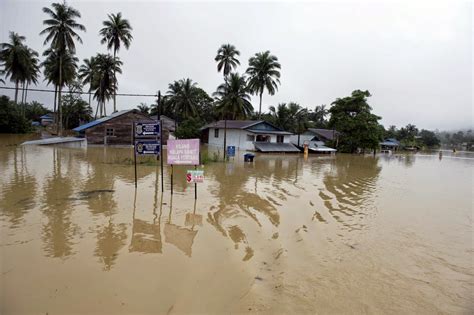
<point>251,135</point>
<point>316,140</point>
<point>115,129</point>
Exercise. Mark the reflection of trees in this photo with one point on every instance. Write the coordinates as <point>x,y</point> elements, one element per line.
<point>59,231</point>
<point>110,239</point>
<point>19,193</point>
<point>350,186</point>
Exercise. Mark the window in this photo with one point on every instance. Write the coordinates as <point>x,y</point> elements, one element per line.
<point>216,133</point>
<point>250,138</point>
<point>109,131</point>
<point>279,139</point>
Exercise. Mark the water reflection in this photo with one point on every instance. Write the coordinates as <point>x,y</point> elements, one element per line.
<point>349,189</point>
<point>59,230</point>
<point>110,239</point>
<point>19,192</point>
<point>181,237</point>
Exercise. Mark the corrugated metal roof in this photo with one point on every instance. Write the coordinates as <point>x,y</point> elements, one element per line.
<point>275,132</point>
<point>275,147</point>
<point>102,120</point>
<point>233,124</point>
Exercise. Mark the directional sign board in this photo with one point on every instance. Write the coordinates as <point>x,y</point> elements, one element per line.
<point>195,176</point>
<point>183,152</point>
<point>230,150</point>
<point>147,129</point>
<point>147,147</point>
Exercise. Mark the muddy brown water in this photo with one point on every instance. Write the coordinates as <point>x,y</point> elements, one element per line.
<point>344,234</point>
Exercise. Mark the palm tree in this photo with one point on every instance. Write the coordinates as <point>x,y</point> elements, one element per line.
<point>60,32</point>
<point>264,73</point>
<point>227,59</point>
<point>52,71</point>
<point>144,108</point>
<point>15,58</point>
<point>103,81</point>
<point>183,96</point>
<point>31,74</point>
<point>116,30</point>
<point>87,72</point>
<point>233,101</point>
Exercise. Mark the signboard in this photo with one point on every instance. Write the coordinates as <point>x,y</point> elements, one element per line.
<point>147,147</point>
<point>195,176</point>
<point>147,129</point>
<point>183,152</point>
<point>230,150</point>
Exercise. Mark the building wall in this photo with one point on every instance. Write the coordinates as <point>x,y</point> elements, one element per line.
<point>238,138</point>
<point>122,127</point>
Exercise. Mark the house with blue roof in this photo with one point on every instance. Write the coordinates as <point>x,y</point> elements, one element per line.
<point>389,144</point>
<point>115,129</point>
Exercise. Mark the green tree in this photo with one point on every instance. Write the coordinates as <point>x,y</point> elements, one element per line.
<point>116,31</point>
<point>76,111</point>
<point>391,132</point>
<point>144,108</point>
<point>189,129</point>
<point>318,116</point>
<point>352,117</point>
<point>61,34</point>
<point>87,71</point>
<point>233,101</point>
<point>407,135</point>
<point>35,110</point>
<point>290,117</point>
<point>429,138</point>
<point>11,118</point>
<point>15,58</point>
<point>103,84</point>
<point>183,97</point>
<point>264,73</point>
<point>226,59</point>
<point>53,73</point>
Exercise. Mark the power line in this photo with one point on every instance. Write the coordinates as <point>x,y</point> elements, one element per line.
<point>76,92</point>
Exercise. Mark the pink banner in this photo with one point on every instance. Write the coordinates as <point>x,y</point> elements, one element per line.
<point>183,152</point>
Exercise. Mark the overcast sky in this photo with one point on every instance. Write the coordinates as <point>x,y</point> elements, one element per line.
<point>415,59</point>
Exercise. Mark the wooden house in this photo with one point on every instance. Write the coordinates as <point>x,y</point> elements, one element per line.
<point>115,129</point>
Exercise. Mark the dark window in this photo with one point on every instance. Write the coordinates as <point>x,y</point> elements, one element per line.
<point>250,138</point>
<point>216,133</point>
<point>279,139</point>
<point>109,132</point>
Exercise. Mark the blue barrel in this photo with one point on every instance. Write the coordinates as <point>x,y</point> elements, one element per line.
<point>248,157</point>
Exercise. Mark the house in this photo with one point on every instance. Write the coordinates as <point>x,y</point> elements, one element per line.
<point>251,135</point>
<point>47,119</point>
<point>168,123</point>
<point>316,139</point>
<point>389,144</point>
<point>115,129</point>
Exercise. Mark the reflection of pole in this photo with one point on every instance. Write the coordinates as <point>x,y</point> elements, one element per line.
<point>134,203</point>
<point>171,209</point>
<point>171,178</point>
<point>161,152</point>
<point>134,154</point>
<point>195,186</point>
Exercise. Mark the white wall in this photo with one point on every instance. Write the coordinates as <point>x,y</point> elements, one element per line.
<point>238,138</point>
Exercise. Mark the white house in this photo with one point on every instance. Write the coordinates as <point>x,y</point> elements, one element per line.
<point>316,139</point>
<point>252,135</point>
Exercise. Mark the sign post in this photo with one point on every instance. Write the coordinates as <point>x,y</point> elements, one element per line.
<point>145,145</point>
<point>183,152</point>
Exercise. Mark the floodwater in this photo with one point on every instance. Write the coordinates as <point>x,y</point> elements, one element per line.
<point>287,235</point>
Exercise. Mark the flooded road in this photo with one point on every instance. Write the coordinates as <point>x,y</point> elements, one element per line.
<point>344,234</point>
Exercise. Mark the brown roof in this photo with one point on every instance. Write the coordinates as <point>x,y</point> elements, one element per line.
<point>328,134</point>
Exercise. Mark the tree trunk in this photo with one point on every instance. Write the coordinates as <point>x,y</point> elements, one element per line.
<point>225,137</point>
<point>16,92</point>
<point>105,110</point>
<point>26,92</point>
<point>60,112</point>
<point>260,107</point>
<point>115,82</point>
<point>23,99</point>
<point>96,110</point>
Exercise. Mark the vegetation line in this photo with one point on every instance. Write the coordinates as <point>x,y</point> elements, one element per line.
<point>78,92</point>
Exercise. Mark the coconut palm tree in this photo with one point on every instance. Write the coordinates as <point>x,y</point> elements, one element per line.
<point>87,72</point>
<point>264,73</point>
<point>103,81</point>
<point>227,59</point>
<point>53,74</point>
<point>144,108</point>
<point>233,101</point>
<point>183,96</point>
<point>15,58</point>
<point>31,74</point>
<point>61,34</point>
<point>116,31</point>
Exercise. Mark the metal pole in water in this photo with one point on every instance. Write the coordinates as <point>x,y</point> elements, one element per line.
<point>134,154</point>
